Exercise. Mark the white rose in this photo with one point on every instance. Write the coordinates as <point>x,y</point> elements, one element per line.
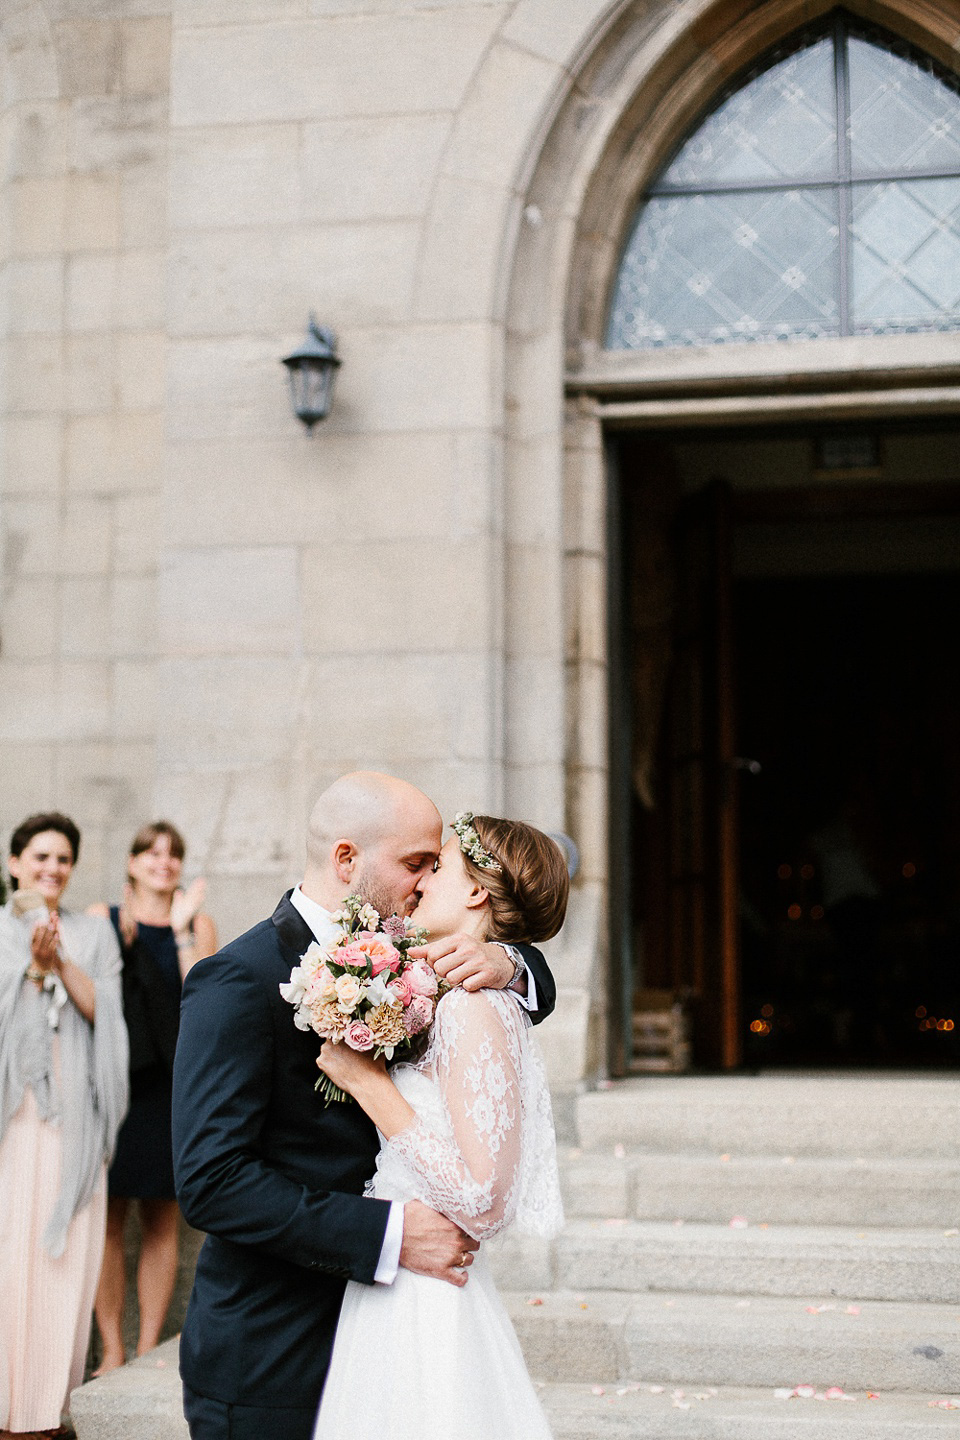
<point>349,991</point>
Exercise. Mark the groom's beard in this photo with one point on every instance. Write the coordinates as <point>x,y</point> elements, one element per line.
<point>368,888</point>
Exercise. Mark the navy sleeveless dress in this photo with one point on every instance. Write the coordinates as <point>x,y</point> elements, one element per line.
<point>143,1164</point>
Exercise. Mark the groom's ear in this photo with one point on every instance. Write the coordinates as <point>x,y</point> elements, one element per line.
<point>344,856</point>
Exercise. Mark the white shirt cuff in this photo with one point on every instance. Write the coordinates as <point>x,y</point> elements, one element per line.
<point>389,1262</point>
<point>529,1000</point>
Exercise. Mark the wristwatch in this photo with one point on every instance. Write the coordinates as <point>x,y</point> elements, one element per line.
<point>519,967</point>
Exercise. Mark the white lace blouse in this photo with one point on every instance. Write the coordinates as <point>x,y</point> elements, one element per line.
<point>482,1148</point>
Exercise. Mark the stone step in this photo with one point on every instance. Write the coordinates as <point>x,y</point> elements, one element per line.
<point>782,1189</point>
<point>849,1115</point>
<point>610,1337</point>
<point>786,1260</point>
<point>598,1412</point>
<point>142,1402</point>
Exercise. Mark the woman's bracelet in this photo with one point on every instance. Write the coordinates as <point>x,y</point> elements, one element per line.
<point>186,941</point>
<point>34,973</point>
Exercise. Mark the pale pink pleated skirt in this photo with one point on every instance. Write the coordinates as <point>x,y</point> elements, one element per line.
<point>47,1304</point>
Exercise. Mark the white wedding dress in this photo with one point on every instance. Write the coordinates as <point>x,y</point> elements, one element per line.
<point>422,1359</point>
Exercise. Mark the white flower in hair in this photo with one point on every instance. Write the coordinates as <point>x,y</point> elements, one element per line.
<point>471,844</point>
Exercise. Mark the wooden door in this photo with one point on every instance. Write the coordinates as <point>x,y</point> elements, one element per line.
<point>701,782</point>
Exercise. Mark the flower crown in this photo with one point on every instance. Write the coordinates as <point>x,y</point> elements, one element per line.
<point>470,842</point>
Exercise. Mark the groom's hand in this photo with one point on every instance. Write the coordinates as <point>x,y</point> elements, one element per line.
<point>433,1245</point>
<point>471,963</point>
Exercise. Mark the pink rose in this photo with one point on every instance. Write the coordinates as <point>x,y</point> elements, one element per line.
<point>400,987</point>
<point>359,1036</point>
<point>420,978</point>
<point>417,1015</point>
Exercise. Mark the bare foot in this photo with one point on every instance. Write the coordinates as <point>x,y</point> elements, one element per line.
<point>109,1362</point>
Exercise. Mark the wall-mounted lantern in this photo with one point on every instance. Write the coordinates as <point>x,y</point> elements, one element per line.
<point>311,369</point>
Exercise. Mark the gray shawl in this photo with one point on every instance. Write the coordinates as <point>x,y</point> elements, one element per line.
<point>86,1095</point>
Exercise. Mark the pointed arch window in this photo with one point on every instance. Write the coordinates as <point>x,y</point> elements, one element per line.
<point>820,198</point>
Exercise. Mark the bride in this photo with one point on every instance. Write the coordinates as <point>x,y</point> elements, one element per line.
<point>467,1129</point>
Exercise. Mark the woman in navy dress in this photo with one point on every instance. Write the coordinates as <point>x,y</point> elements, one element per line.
<point>162,933</point>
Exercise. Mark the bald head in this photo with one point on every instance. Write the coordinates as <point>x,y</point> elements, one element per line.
<point>373,835</point>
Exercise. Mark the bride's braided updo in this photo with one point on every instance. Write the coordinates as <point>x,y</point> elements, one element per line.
<point>528,893</point>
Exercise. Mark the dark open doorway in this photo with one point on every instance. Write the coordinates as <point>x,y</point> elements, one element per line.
<point>788,732</point>
<point>848,695</point>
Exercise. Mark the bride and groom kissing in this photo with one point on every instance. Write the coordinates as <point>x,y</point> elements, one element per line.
<point>342,1251</point>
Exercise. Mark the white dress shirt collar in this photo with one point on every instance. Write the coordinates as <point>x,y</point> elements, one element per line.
<point>322,925</point>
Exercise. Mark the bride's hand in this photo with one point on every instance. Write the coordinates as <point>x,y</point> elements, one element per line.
<point>349,1068</point>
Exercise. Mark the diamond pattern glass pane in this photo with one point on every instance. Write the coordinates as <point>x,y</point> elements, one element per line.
<point>901,116</point>
<point>740,238</point>
<point>905,254</point>
<point>781,125</point>
<point>706,269</point>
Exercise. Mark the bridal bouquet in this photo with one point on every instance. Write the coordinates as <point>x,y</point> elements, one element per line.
<point>362,989</point>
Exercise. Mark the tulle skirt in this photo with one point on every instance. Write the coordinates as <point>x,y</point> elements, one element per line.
<point>423,1360</point>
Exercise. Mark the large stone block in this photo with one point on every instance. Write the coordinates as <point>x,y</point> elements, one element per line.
<point>380,168</point>
<point>145,55</point>
<point>38,143</point>
<point>26,768</point>
<point>417,377</point>
<point>237,175</point>
<point>28,619</point>
<point>136,540</point>
<point>109,134</point>
<point>92,220</point>
<point>37,215</point>
<point>35,295</point>
<point>89,364</point>
<point>29,537</point>
<point>495,124</point>
<point>88,56</point>
<point>349,65</point>
<point>133,713</point>
<point>229,282</point>
<point>226,713</point>
<point>33,454</point>
<point>143,205</point>
<point>85,616</point>
<point>108,786</point>
<point>111,452</point>
<point>35,380</point>
<point>91,291</point>
<point>363,598</point>
<point>133,615</point>
<point>141,370</point>
<point>236,600</point>
<point>558,32</point>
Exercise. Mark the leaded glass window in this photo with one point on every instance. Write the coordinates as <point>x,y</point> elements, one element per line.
<point>820,198</point>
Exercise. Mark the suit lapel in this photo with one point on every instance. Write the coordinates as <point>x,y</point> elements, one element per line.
<point>292,930</point>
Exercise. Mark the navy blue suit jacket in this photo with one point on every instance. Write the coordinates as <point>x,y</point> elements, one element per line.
<point>273,1177</point>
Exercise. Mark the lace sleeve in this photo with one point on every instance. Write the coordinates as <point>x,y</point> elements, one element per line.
<point>471,1174</point>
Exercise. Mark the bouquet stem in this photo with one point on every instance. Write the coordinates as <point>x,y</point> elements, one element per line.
<point>330,1091</point>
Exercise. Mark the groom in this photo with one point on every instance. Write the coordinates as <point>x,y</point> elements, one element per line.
<point>273,1177</point>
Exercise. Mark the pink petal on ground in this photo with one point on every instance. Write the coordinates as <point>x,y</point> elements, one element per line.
<point>655,1389</point>
<point>739,1222</point>
<point>597,1390</point>
<point>620,1152</point>
<point>804,1392</point>
<point>535,1300</point>
<point>835,1392</point>
<point>852,1310</point>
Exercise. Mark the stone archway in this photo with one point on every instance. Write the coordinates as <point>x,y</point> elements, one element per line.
<point>637,91</point>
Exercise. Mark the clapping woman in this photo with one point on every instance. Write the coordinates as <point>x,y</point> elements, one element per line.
<point>162,933</point>
<point>63,1093</point>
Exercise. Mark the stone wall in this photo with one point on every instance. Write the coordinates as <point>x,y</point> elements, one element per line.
<point>85,257</point>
